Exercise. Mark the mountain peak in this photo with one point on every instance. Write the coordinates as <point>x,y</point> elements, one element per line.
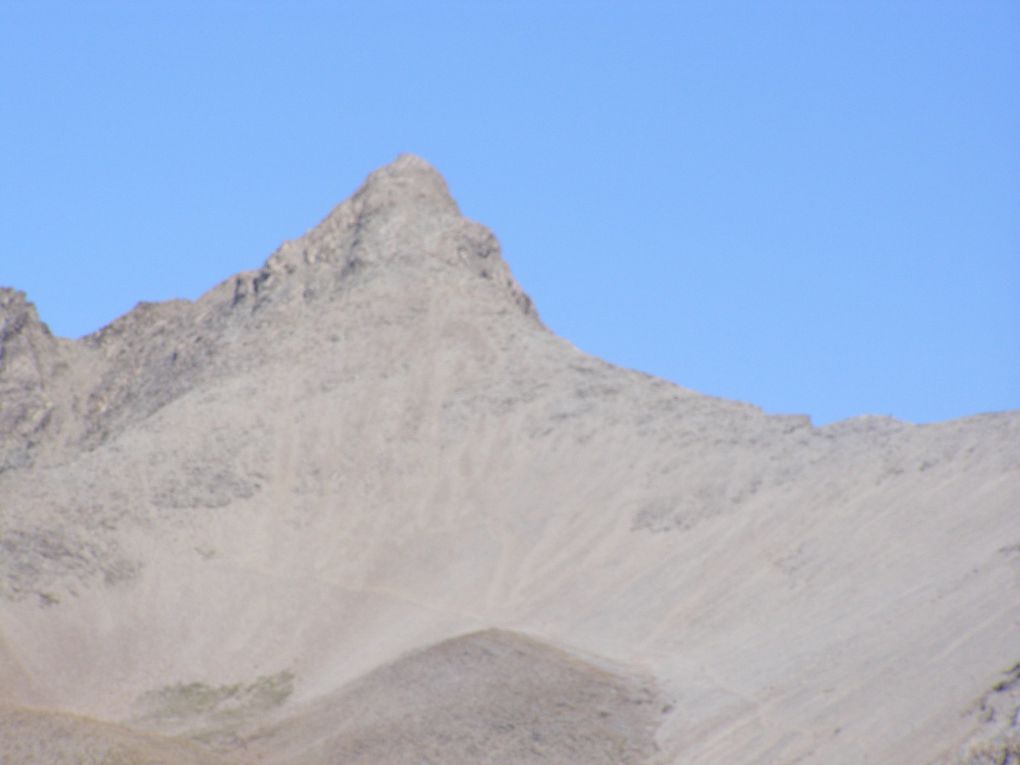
<point>408,180</point>
<point>403,205</point>
<point>402,220</point>
<point>281,519</point>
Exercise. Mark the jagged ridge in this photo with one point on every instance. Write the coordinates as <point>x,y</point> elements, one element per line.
<point>401,224</point>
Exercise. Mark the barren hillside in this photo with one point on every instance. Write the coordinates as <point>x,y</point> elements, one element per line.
<point>360,505</point>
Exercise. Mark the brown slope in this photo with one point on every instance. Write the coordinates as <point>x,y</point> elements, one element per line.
<point>487,697</point>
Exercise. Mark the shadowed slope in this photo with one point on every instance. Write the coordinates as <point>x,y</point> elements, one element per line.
<point>489,697</point>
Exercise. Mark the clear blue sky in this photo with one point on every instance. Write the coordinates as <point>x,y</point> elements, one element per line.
<point>811,206</point>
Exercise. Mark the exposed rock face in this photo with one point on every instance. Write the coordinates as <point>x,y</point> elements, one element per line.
<point>282,521</point>
<point>29,362</point>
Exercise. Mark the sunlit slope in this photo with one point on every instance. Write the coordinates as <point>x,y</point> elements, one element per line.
<point>217,516</point>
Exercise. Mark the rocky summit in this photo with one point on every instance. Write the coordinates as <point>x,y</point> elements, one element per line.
<point>361,506</point>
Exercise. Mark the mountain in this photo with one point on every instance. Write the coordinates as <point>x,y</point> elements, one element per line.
<point>360,505</point>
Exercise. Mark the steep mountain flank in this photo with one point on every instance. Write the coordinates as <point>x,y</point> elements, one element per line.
<point>271,520</point>
<point>33,366</point>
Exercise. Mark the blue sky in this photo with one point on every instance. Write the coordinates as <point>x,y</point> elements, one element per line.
<point>811,206</point>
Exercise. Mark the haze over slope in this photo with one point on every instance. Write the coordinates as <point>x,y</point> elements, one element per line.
<point>360,503</point>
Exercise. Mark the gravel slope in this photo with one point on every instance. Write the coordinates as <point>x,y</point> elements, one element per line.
<point>215,517</point>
